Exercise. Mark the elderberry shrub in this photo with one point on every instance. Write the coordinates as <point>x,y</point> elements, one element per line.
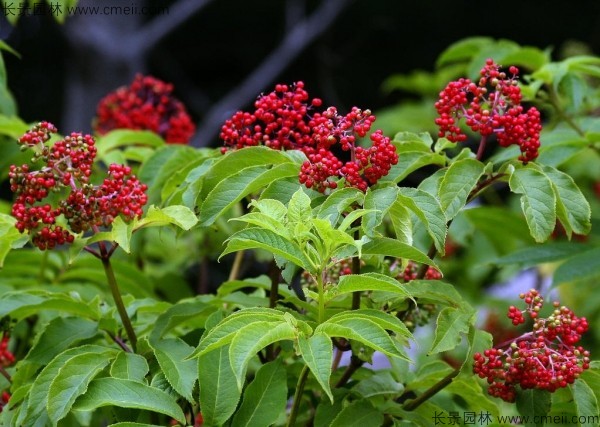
<point>490,106</point>
<point>67,169</point>
<point>146,104</point>
<point>545,358</point>
<point>287,119</point>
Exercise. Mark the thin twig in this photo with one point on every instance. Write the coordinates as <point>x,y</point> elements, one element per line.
<point>431,391</point>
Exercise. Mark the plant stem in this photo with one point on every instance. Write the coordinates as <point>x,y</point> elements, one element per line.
<point>5,374</point>
<point>114,288</point>
<point>298,396</point>
<point>356,270</point>
<point>235,268</point>
<point>481,149</point>
<point>320,287</point>
<point>431,391</point>
<point>355,363</point>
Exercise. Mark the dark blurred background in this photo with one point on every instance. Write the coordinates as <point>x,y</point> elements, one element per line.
<point>221,53</point>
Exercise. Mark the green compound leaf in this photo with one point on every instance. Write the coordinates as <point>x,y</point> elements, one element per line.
<point>317,352</point>
<point>128,394</point>
<point>573,209</point>
<point>538,201</point>
<point>235,187</point>
<point>253,238</point>
<point>129,366</point>
<point>219,394</point>
<point>451,323</point>
<point>253,338</point>
<point>458,182</point>
<point>71,381</point>
<point>391,247</point>
<point>180,373</point>
<point>265,398</point>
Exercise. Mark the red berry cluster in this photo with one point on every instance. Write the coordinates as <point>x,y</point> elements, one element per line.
<point>545,359</point>
<point>4,398</point>
<point>68,166</point>
<point>147,104</point>
<point>6,356</point>
<point>412,269</point>
<point>492,105</point>
<point>287,119</point>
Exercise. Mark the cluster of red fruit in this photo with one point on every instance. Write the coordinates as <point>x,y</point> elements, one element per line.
<point>545,359</point>
<point>147,104</point>
<point>68,165</point>
<point>412,269</point>
<point>287,119</point>
<point>6,359</point>
<point>492,105</point>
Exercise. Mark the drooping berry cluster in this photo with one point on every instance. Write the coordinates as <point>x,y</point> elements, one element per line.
<point>68,167</point>
<point>490,106</point>
<point>545,358</point>
<point>6,359</point>
<point>288,119</point>
<point>147,104</point>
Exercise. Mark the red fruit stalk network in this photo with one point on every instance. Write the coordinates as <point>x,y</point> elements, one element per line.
<point>147,104</point>
<point>68,167</point>
<point>489,106</point>
<point>287,119</point>
<point>546,358</point>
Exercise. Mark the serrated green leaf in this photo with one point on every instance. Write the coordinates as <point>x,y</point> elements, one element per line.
<point>121,233</point>
<point>370,282</point>
<point>299,207</point>
<point>581,268</point>
<point>21,304</point>
<point>451,323</point>
<point>391,247</point>
<point>462,50</point>
<point>410,161</point>
<point>403,228</point>
<point>428,209</point>
<point>252,338</point>
<point>363,330</point>
<point>377,202</point>
<point>338,202</point>
<point>381,383</point>
<point>224,331</point>
<point>585,402</point>
<point>38,396</point>
<point>253,238</point>
<point>360,413</point>
<point>181,312</point>
<point>219,394</point>
<point>385,320</point>
<point>533,403</point>
<point>128,394</point>
<point>58,335</point>
<point>317,352</point>
<point>71,381</point>
<point>178,215</point>
<point>119,138</point>
<point>538,201</point>
<point>129,366</point>
<point>460,179</point>
<point>438,292</point>
<point>573,209</point>
<point>180,373</point>
<point>272,208</point>
<point>548,252</point>
<point>235,187</point>
<point>265,398</point>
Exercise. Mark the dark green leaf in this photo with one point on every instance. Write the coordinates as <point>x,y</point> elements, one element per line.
<point>358,414</point>
<point>533,403</point>
<point>129,366</point>
<point>219,394</point>
<point>460,179</point>
<point>317,352</point>
<point>180,373</point>
<point>451,323</point>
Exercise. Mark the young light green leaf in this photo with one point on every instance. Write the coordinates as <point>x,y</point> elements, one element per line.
<point>358,414</point>
<point>573,209</point>
<point>451,323</point>
<point>224,332</point>
<point>272,208</point>
<point>460,179</point>
<point>317,352</point>
<point>128,394</point>
<point>10,238</point>
<point>59,335</point>
<point>219,394</point>
<point>71,381</point>
<point>299,207</point>
<point>253,338</point>
<point>178,215</point>
<point>538,201</point>
<point>410,161</point>
<point>403,228</point>
<point>126,137</point>
<point>428,209</point>
<point>265,398</point>
<point>364,330</point>
<point>180,373</point>
<point>338,202</point>
<point>378,203</point>
<point>385,320</point>
<point>235,187</point>
<point>253,238</point>
<point>129,366</point>
<point>391,247</point>
<point>121,233</point>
